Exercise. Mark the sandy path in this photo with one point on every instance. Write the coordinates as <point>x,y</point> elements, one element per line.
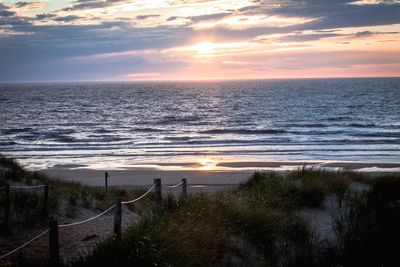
<point>73,240</point>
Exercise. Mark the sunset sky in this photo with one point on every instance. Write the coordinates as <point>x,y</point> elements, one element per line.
<point>96,40</point>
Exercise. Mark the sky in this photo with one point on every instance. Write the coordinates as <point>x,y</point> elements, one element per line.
<point>123,40</point>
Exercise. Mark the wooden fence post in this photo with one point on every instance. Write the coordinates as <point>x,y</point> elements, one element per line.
<point>106,179</point>
<point>117,218</point>
<point>7,205</point>
<point>184,187</point>
<point>53,242</point>
<point>158,191</point>
<point>46,199</point>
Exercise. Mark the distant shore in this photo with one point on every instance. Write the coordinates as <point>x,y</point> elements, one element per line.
<point>220,175</point>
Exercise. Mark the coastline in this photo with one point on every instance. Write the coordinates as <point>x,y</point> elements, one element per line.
<point>216,175</point>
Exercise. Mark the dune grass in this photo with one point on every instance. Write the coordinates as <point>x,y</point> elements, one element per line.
<point>253,225</point>
<point>204,231</point>
<point>369,230</point>
<point>65,197</point>
<point>256,224</point>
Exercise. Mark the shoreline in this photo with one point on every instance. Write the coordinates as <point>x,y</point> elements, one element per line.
<point>215,174</point>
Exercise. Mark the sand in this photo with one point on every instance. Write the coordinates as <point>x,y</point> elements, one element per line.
<point>145,177</point>
<point>223,175</point>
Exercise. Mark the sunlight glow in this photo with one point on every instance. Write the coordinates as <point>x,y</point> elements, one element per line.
<point>208,164</point>
<point>204,48</point>
<point>213,39</point>
<point>373,2</point>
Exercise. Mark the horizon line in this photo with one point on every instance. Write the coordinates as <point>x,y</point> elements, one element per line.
<point>196,80</point>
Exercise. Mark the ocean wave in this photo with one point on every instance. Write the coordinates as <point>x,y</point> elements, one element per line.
<point>103,131</point>
<point>243,131</point>
<point>28,137</point>
<point>177,119</point>
<point>7,143</point>
<point>64,139</point>
<point>341,125</point>
<point>360,125</point>
<point>308,125</point>
<point>177,138</point>
<point>316,132</point>
<point>97,139</point>
<point>338,118</point>
<point>379,134</point>
<point>148,130</point>
<point>15,130</point>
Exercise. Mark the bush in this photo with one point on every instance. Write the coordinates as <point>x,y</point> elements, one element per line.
<point>271,190</point>
<point>368,232</point>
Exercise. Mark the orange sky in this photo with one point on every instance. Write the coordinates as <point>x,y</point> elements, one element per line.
<point>198,39</point>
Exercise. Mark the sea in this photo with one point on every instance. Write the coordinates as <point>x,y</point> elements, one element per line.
<point>127,124</point>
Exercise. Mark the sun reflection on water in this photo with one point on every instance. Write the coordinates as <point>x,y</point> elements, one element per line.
<point>207,164</point>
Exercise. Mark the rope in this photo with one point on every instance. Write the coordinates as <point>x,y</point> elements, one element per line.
<point>174,186</point>
<point>23,187</point>
<point>198,185</point>
<point>24,245</point>
<point>26,187</point>
<point>107,210</point>
<point>87,220</point>
<point>139,198</point>
<point>75,223</point>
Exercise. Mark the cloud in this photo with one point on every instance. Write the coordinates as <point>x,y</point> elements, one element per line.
<point>4,12</point>
<point>306,37</point>
<point>370,33</point>
<point>142,17</point>
<point>67,18</point>
<point>340,13</point>
<point>173,18</point>
<point>22,4</point>
<point>45,16</point>
<point>28,5</point>
<point>209,16</point>
<point>87,4</point>
<point>86,29</point>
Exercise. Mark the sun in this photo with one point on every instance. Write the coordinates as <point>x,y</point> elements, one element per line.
<point>204,47</point>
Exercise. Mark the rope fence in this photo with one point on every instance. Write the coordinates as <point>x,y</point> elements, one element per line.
<point>27,187</point>
<point>139,198</point>
<point>7,200</point>
<point>87,220</point>
<point>23,187</point>
<point>198,185</point>
<point>174,186</point>
<point>24,245</point>
<point>54,226</point>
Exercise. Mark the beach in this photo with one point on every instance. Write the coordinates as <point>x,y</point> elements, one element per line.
<point>219,177</point>
<point>199,133</point>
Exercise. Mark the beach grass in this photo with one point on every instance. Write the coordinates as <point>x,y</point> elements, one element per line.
<point>65,197</point>
<point>258,223</point>
<point>369,230</point>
